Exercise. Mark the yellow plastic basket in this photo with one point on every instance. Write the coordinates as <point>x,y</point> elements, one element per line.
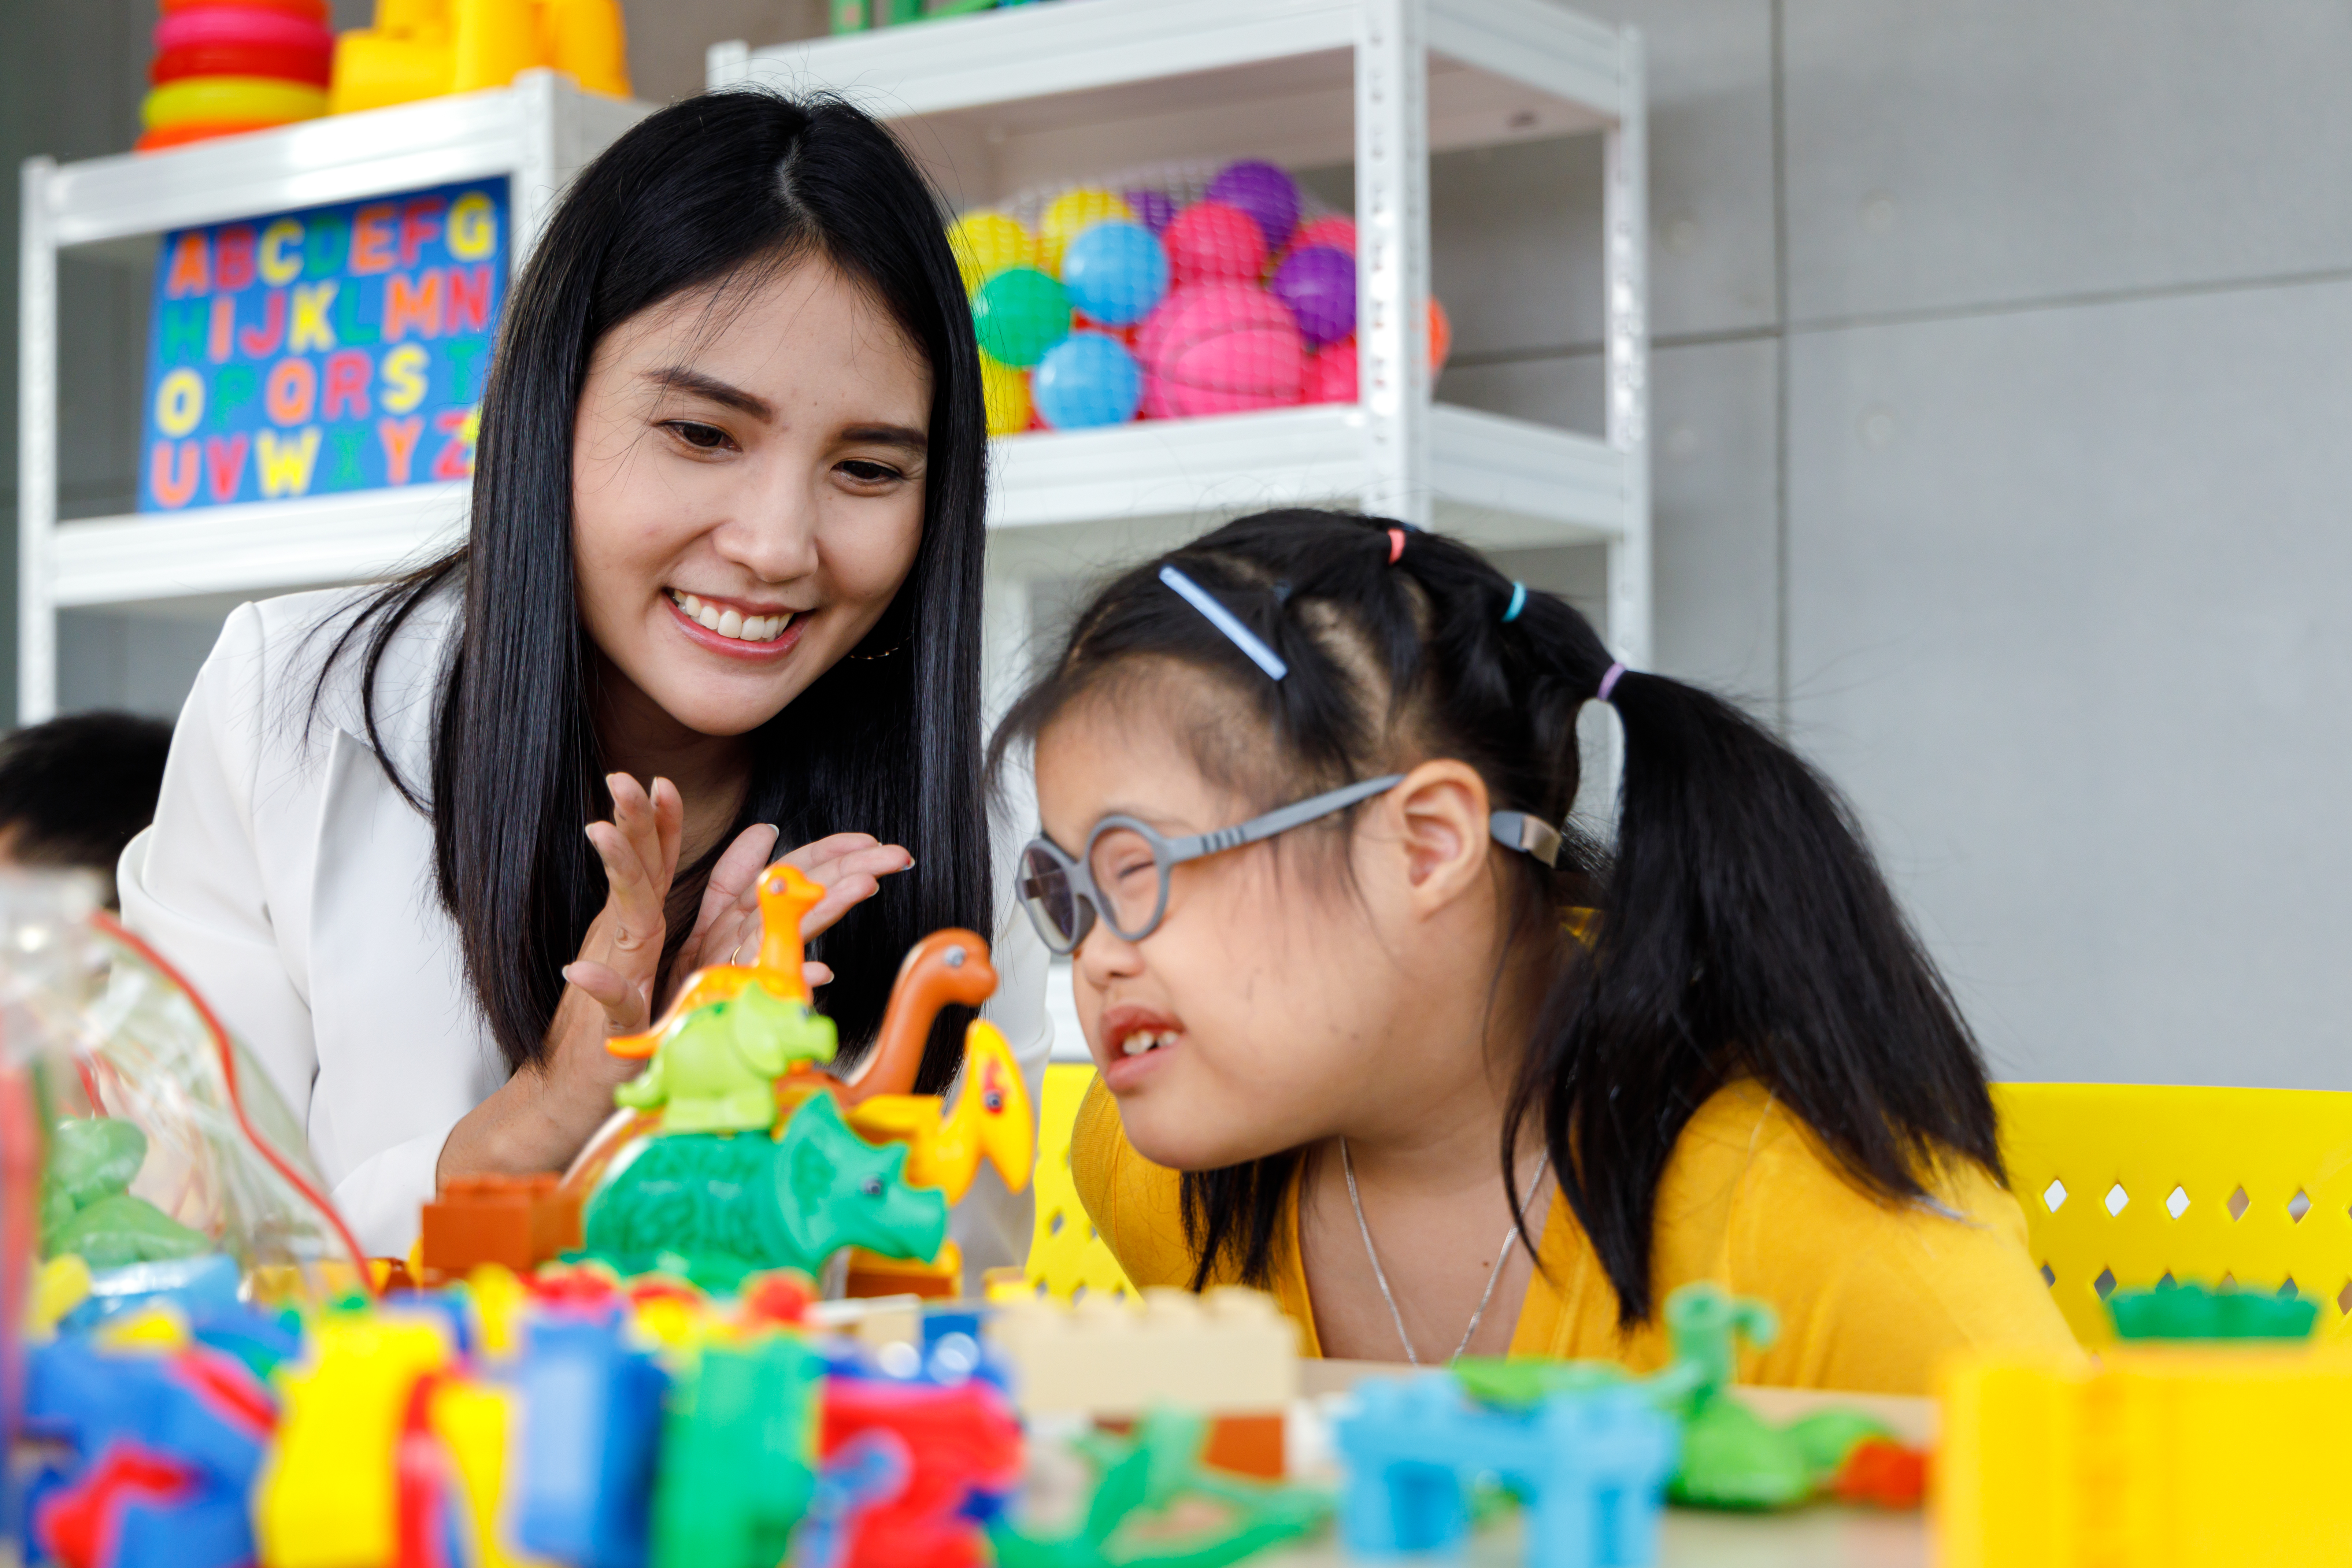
<point>2127,1184</point>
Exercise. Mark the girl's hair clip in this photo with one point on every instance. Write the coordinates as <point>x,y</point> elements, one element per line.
<point>1608,680</point>
<point>1225,621</point>
<point>1396,545</point>
<point>1518,603</point>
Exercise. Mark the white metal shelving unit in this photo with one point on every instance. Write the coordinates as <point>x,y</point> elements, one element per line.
<point>1004,100</point>
<point>537,133</point>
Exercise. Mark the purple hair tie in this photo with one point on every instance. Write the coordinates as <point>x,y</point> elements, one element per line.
<point>1609,681</point>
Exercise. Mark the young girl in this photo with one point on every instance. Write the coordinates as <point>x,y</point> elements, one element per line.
<point>1379,1033</point>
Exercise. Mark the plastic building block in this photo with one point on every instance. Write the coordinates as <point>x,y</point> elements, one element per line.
<point>200,1287</point>
<point>326,1496</point>
<point>591,1441</point>
<point>962,1446</point>
<point>1884,1472</point>
<point>164,1445</point>
<point>723,1206</point>
<point>871,1274</point>
<point>993,1120</point>
<point>516,1222</point>
<point>1591,1463</point>
<point>739,1456</point>
<point>2158,1458</point>
<point>869,1470</point>
<point>476,1426</point>
<point>1226,1351</point>
<point>1202,1520</point>
<point>2180,1311</point>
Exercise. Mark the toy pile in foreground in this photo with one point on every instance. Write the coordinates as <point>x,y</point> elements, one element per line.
<point>1181,293</point>
<point>577,1417</point>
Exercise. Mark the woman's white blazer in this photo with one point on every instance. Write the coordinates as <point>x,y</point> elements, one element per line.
<point>293,883</point>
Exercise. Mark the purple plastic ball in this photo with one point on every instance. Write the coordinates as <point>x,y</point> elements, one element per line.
<point>1264,192</point>
<point>1319,284</point>
<point>1153,209</point>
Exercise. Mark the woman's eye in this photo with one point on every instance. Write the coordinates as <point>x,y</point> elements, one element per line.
<point>709,437</point>
<point>866,472</point>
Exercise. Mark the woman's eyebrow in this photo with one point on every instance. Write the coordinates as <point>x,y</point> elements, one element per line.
<point>727,394</point>
<point>889,436</point>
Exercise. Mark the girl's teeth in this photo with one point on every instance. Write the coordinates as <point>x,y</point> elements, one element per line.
<point>1135,1044</point>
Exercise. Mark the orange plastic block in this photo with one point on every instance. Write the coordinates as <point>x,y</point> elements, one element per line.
<point>2159,1458</point>
<point>871,1275</point>
<point>516,1222</point>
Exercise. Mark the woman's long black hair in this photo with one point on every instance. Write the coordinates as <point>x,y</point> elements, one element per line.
<point>1743,929</point>
<point>712,191</point>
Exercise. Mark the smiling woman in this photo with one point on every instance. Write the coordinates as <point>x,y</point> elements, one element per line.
<point>430,845</point>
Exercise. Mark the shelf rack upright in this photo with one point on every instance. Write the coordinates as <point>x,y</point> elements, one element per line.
<point>1086,89</point>
<point>537,133</point>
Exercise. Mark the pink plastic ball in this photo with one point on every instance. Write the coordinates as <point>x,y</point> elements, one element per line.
<point>1338,233</point>
<point>1331,374</point>
<point>1219,348</point>
<point>1210,241</point>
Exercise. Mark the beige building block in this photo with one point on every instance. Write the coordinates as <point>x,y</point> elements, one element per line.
<point>1225,1351</point>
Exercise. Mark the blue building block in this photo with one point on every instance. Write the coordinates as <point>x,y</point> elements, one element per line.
<point>591,1439</point>
<point>1592,1462</point>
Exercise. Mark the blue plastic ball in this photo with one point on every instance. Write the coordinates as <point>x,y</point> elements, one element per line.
<point>1115,273</point>
<point>1085,380</point>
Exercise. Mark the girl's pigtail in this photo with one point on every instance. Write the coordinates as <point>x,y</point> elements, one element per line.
<point>1744,931</point>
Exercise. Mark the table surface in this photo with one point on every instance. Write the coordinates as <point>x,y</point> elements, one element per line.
<point>1821,1536</point>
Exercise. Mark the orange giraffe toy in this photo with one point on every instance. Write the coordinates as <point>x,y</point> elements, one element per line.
<point>991,1120</point>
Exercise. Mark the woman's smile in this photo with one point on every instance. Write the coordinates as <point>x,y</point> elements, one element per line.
<point>735,629</point>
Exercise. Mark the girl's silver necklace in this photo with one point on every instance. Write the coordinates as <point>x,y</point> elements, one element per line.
<point>1502,1256</point>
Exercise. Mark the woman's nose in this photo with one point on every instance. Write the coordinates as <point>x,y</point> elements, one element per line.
<point>773,531</point>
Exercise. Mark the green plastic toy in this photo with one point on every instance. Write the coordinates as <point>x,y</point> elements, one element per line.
<point>717,1207</point>
<point>716,1071</point>
<point>737,1455</point>
<point>1731,1458</point>
<point>2178,1311</point>
<point>1148,1494</point>
<point>86,1202</point>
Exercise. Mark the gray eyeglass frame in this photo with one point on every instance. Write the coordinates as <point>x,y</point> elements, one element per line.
<point>1512,830</point>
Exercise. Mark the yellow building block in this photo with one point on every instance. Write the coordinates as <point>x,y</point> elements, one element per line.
<point>1226,1351</point>
<point>1067,1260</point>
<point>477,1423</point>
<point>324,1497</point>
<point>2159,1458</point>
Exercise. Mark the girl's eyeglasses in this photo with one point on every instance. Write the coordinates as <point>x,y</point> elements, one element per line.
<point>1122,878</point>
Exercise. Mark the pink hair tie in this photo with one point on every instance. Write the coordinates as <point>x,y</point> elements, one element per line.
<point>1396,545</point>
<point>1608,682</point>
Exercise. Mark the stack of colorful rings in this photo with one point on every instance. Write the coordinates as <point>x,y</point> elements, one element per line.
<point>227,65</point>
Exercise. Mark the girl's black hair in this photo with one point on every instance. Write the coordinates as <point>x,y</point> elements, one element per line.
<point>1742,928</point>
<point>717,191</point>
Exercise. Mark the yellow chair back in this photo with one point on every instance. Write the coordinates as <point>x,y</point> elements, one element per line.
<point>1066,1256</point>
<point>2125,1184</point>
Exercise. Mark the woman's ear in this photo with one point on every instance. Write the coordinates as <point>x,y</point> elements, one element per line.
<point>1441,812</point>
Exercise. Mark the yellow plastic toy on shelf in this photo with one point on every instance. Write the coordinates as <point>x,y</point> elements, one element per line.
<point>424,48</point>
<point>2124,1184</point>
<point>2160,1458</point>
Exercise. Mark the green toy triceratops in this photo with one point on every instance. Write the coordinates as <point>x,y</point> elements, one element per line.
<point>86,1205</point>
<point>715,1069</point>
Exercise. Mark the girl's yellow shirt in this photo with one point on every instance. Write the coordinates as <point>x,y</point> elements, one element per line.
<point>1871,1295</point>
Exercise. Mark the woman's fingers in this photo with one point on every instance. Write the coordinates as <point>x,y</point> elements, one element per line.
<point>633,904</point>
<point>816,973</point>
<point>603,986</point>
<point>669,825</point>
<point>850,880</point>
<point>735,879</point>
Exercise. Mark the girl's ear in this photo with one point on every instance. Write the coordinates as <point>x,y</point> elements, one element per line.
<point>1440,809</point>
